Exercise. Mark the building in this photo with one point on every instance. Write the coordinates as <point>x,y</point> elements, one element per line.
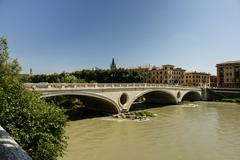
<point>167,74</point>
<point>172,75</point>
<point>213,81</point>
<point>228,74</point>
<point>113,65</point>
<point>200,79</point>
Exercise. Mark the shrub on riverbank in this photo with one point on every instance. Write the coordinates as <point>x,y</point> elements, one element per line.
<point>144,113</point>
<point>37,126</point>
<point>140,115</point>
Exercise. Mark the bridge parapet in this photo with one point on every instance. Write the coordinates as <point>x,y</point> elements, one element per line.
<point>59,86</point>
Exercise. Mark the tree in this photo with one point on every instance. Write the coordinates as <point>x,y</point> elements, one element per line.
<point>91,76</point>
<point>36,125</point>
<point>8,66</point>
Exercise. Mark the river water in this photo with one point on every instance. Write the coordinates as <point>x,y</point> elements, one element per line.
<point>190,131</point>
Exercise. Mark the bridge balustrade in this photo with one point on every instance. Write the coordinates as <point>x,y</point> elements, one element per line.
<point>40,86</point>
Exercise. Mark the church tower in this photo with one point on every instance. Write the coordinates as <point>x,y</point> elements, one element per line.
<point>113,65</point>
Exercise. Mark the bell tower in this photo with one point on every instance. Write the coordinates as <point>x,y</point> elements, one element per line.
<point>113,65</point>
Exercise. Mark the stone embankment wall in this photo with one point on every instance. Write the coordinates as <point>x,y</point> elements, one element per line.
<point>221,93</point>
<point>9,149</point>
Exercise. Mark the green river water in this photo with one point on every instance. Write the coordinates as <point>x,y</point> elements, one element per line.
<point>190,131</point>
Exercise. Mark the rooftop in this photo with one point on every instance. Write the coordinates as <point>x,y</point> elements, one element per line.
<point>230,62</point>
<point>195,72</point>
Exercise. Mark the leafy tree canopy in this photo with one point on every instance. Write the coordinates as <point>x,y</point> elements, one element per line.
<point>8,66</point>
<point>90,76</point>
<point>36,125</point>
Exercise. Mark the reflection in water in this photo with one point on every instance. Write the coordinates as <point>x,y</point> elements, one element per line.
<point>192,131</point>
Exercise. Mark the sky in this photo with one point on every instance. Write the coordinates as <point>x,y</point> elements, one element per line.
<point>68,35</point>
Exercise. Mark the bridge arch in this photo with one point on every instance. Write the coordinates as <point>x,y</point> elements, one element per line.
<point>92,101</point>
<point>192,96</point>
<point>157,97</point>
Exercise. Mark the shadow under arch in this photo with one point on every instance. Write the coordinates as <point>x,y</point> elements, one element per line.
<point>156,97</point>
<point>191,96</point>
<point>92,101</point>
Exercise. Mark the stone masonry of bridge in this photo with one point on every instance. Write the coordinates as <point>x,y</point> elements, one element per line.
<point>116,97</point>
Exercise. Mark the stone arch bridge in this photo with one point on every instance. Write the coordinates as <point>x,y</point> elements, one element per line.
<point>118,97</point>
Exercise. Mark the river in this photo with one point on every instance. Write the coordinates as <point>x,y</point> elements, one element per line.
<point>190,131</point>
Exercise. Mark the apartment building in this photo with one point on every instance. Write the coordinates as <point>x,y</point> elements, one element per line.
<point>228,74</point>
<point>200,79</point>
<point>167,74</point>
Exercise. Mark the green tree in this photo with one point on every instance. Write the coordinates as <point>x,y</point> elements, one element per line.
<point>8,66</point>
<point>67,78</point>
<point>35,124</point>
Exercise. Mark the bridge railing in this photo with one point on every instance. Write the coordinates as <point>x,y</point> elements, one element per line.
<point>59,86</point>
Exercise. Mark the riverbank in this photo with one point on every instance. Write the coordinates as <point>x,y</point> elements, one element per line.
<point>233,100</point>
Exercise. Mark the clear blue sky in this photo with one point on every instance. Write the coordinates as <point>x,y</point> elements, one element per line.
<point>67,35</point>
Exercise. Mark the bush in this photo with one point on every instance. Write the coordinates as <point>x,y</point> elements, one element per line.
<point>144,113</point>
<point>37,126</point>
